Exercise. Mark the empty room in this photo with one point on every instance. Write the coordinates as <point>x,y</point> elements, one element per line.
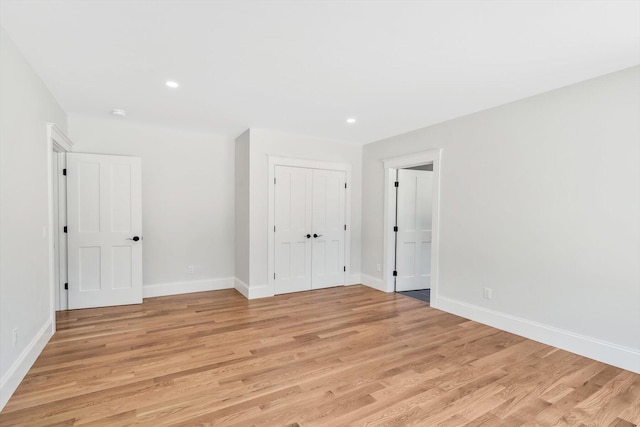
<point>320,213</point>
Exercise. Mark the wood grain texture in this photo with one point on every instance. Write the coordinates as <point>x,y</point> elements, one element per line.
<point>332,357</point>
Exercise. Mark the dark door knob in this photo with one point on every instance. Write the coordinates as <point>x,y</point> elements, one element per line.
<point>308,236</point>
<point>134,238</point>
<point>315,236</point>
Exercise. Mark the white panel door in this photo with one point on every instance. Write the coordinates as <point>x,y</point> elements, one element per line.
<point>104,221</point>
<point>328,227</point>
<point>292,220</point>
<point>413,254</point>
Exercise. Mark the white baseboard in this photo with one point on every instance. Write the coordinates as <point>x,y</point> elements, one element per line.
<point>374,283</point>
<point>241,287</point>
<point>613,354</point>
<point>354,279</point>
<point>16,373</point>
<point>260,291</point>
<point>162,289</point>
<point>265,291</point>
<point>253,292</point>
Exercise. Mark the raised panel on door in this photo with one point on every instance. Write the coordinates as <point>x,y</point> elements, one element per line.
<point>328,258</point>
<point>104,213</point>
<point>413,253</point>
<point>292,220</point>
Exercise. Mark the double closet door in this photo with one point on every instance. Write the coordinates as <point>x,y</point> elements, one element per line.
<point>309,229</point>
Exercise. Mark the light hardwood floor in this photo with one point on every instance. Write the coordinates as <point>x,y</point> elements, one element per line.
<point>333,357</point>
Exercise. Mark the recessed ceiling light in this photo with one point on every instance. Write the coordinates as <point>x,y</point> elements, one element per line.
<point>172,84</point>
<point>351,120</point>
<point>118,112</point>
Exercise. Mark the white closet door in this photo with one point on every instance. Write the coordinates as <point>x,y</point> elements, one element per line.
<point>413,255</point>
<point>292,217</point>
<point>329,194</point>
<point>104,222</point>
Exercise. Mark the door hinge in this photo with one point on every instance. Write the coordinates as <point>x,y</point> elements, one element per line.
<point>396,184</point>
<point>345,226</point>
<point>66,286</point>
<point>64,229</point>
<point>395,273</point>
<point>64,171</point>
<point>274,276</point>
<point>395,228</point>
<point>274,228</point>
<point>345,185</point>
<point>344,268</point>
<point>274,181</point>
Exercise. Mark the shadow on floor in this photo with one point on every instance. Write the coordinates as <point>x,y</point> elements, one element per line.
<point>422,295</point>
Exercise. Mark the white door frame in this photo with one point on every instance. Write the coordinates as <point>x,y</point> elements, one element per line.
<point>391,165</point>
<point>311,164</point>
<point>57,142</point>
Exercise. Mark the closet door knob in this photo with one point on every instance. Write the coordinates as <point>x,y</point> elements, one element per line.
<point>308,236</point>
<point>315,236</point>
<point>134,238</point>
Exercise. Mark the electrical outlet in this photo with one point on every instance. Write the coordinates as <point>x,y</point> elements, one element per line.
<point>488,293</point>
<point>14,335</point>
<point>191,269</point>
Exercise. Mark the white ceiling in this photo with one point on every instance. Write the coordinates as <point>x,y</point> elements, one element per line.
<point>305,66</point>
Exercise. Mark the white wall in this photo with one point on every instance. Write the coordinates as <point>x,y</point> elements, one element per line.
<point>187,200</point>
<point>242,167</point>
<point>540,201</point>
<point>25,302</point>
<point>265,143</point>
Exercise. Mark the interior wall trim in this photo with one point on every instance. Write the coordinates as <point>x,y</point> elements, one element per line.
<point>18,370</point>
<point>603,351</point>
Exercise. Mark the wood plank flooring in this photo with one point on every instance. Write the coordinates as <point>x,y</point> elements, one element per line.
<point>332,357</point>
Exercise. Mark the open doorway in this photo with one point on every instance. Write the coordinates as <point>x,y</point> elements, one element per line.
<point>413,231</point>
<point>411,223</point>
